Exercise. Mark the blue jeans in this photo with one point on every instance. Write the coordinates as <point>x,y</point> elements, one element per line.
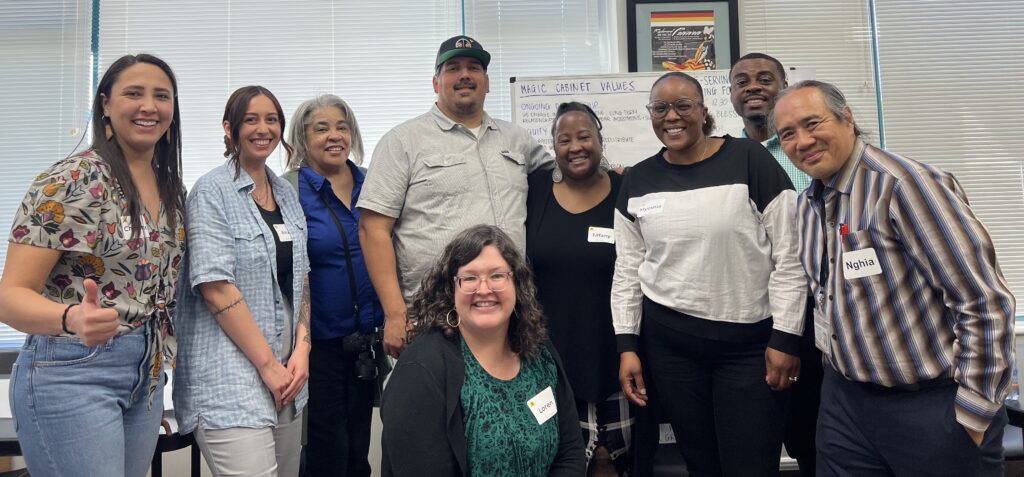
<point>82,411</point>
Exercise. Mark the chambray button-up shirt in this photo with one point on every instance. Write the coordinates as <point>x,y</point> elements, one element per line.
<point>214,383</point>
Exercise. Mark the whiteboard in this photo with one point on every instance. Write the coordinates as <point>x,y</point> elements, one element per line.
<point>619,100</point>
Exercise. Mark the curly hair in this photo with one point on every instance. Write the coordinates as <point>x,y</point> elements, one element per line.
<point>436,296</point>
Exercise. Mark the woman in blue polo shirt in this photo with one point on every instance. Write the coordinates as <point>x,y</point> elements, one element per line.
<point>345,309</point>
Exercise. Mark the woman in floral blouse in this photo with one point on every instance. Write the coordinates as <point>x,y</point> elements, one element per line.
<point>90,276</point>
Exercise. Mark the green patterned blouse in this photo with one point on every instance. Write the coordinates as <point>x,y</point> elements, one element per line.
<point>502,435</point>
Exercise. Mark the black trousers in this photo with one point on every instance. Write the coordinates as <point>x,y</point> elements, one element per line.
<point>340,409</point>
<point>726,419</point>
<point>867,431</point>
<point>804,400</point>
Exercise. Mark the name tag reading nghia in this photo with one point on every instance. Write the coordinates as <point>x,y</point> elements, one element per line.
<point>543,405</point>
<point>860,263</point>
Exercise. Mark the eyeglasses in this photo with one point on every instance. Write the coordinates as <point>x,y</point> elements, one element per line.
<point>495,282</point>
<point>683,107</point>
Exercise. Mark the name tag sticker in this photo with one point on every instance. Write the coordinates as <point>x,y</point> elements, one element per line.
<point>601,235</point>
<point>126,225</point>
<point>651,208</point>
<point>860,263</point>
<point>282,233</point>
<point>543,405</point>
<point>822,331</point>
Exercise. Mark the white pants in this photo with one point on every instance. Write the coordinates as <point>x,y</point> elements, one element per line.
<point>245,452</point>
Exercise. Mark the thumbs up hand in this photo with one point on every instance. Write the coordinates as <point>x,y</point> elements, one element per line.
<point>90,321</point>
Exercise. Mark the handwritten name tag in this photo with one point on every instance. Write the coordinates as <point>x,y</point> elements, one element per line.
<point>601,235</point>
<point>543,405</point>
<point>282,233</point>
<point>651,208</point>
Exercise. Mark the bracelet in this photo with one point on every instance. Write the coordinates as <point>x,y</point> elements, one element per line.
<point>64,320</point>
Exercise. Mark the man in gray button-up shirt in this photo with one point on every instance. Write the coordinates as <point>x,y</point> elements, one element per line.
<point>437,174</point>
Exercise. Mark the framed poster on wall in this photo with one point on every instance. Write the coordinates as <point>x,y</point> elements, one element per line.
<point>682,35</point>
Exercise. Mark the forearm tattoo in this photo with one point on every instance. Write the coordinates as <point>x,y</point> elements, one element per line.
<point>230,306</point>
<point>304,310</point>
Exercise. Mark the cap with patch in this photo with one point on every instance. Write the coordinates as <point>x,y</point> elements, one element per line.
<point>461,46</point>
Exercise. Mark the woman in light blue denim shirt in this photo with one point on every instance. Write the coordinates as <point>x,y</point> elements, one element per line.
<point>243,322</point>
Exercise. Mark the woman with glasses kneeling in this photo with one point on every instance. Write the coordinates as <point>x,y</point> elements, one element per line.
<point>708,276</point>
<point>479,391</point>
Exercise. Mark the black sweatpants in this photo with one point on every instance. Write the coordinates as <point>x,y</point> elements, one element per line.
<point>340,408</point>
<point>726,419</point>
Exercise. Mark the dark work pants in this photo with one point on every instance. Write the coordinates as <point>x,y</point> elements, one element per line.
<point>866,431</point>
<point>804,399</point>
<point>726,419</point>
<point>340,408</point>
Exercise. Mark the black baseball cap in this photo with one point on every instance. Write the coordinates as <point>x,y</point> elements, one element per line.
<point>462,45</point>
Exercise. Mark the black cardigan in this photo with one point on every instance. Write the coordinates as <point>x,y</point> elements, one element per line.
<point>422,414</point>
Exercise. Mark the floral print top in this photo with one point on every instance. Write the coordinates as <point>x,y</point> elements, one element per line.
<point>76,207</point>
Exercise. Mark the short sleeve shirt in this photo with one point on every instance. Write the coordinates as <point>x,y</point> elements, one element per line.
<point>75,206</point>
<point>437,178</point>
<point>214,383</point>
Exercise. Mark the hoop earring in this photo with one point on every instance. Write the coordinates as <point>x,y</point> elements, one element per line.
<point>107,130</point>
<point>448,319</point>
<point>556,174</point>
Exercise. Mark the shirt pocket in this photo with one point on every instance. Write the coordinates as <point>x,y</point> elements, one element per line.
<point>872,287</point>
<point>514,166</point>
<point>250,248</point>
<point>445,174</point>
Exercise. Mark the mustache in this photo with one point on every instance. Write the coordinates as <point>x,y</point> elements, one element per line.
<point>466,84</point>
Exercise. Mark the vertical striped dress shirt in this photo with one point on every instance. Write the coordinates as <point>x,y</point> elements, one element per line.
<point>939,307</point>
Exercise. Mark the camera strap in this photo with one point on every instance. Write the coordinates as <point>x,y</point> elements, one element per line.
<point>348,264</point>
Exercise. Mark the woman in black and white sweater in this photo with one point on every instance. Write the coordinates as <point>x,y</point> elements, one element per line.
<point>708,284</point>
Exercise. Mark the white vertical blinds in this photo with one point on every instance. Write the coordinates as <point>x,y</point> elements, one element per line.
<point>537,37</point>
<point>44,90</point>
<point>948,74</point>
<point>378,56</point>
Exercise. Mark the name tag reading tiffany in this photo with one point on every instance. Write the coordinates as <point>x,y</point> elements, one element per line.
<point>651,208</point>
<point>543,405</point>
<point>601,235</point>
<point>282,233</point>
<point>860,263</point>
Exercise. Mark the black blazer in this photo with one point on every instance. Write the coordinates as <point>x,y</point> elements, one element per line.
<point>422,414</point>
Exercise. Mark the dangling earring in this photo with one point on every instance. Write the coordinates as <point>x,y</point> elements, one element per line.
<point>556,174</point>
<point>604,166</point>
<point>167,136</point>
<point>448,319</point>
<point>106,128</point>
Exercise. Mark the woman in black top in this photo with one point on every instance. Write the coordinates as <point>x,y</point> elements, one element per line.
<point>569,241</point>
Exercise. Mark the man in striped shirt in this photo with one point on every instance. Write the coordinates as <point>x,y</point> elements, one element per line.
<point>911,311</point>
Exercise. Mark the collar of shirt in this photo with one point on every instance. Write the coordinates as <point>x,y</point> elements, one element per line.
<point>317,181</point>
<point>447,124</point>
<point>842,181</point>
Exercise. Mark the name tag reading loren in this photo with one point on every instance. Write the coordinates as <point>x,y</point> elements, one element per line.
<point>860,263</point>
<point>543,405</point>
<point>601,234</point>
<point>282,233</point>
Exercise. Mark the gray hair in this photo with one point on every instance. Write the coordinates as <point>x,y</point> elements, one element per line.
<point>834,99</point>
<point>304,114</point>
